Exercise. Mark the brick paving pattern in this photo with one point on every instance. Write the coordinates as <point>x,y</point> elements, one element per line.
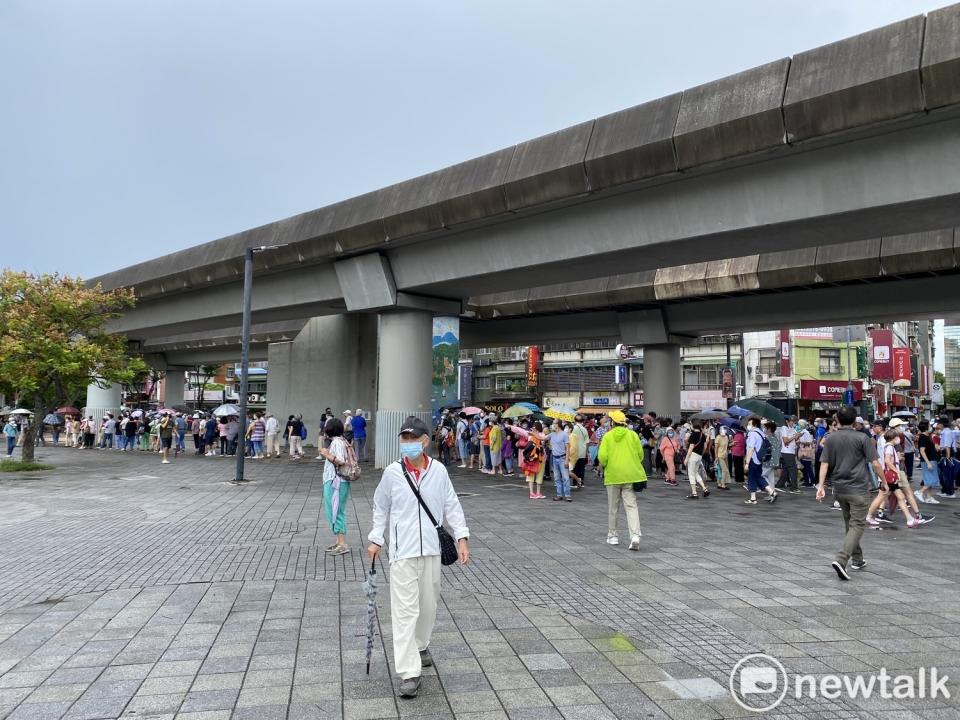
<point>134,590</point>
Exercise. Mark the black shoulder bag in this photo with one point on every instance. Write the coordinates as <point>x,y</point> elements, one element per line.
<point>448,547</point>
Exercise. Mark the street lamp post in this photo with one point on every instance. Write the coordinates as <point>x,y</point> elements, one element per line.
<point>245,352</point>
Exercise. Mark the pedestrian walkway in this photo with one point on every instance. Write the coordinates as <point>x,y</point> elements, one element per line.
<point>134,590</point>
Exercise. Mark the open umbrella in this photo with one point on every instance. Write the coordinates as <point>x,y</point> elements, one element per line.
<point>165,411</point>
<point>756,406</point>
<point>52,419</point>
<point>68,410</point>
<point>732,423</point>
<point>21,411</point>
<point>561,412</point>
<point>225,410</point>
<point>904,414</point>
<point>530,406</point>
<point>370,586</point>
<point>137,414</point>
<point>709,415</point>
<point>518,410</point>
<point>471,410</point>
<point>739,412</point>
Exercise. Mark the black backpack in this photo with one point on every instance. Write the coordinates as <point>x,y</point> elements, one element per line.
<point>766,450</point>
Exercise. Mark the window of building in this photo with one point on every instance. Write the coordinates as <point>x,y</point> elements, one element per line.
<point>511,384</point>
<point>482,383</point>
<point>830,361</point>
<point>768,364</point>
<point>701,377</point>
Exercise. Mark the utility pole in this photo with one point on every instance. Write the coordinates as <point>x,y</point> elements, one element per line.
<point>245,352</point>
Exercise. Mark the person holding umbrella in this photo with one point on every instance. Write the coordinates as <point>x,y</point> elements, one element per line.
<point>410,491</point>
<point>10,431</point>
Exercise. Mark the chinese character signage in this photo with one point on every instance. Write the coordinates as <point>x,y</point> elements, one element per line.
<point>533,366</point>
<point>901,367</point>
<point>784,353</point>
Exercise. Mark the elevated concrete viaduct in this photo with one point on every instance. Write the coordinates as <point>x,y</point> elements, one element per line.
<point>846,143</point>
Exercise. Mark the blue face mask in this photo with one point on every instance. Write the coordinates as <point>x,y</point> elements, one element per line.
<point>411,450</point>
<point>670,433</point>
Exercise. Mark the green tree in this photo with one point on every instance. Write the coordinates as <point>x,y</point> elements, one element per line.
<point>202,375</point>
<point>952,398</point>
<point>53,342</point>
<point>940,378</point>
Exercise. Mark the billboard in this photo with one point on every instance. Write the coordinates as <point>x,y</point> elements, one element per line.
<point>533,366</point>
<point>830,390</point>
<point>446,361</point>
<point>882,355</point>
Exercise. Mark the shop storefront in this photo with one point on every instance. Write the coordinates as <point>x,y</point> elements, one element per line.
<point>823,396</point>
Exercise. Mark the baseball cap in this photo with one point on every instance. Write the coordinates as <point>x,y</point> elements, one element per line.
<point>414,426</point>
<point>859,420</point>
<point>896,422</point>
<point>618,417</point>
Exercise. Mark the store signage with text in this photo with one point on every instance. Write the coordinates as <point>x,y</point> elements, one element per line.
<point>829,390</point>
<point>533,366</point>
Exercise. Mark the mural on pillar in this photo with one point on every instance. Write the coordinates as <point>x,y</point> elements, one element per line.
<point>446,359</point>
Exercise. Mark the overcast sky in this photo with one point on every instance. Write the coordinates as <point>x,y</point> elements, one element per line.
<point>134,128</point>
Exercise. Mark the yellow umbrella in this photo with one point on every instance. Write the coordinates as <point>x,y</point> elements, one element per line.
<point>561,412</point>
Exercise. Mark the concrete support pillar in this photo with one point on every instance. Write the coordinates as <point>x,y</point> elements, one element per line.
<point>101,400</point>
<point>331,363</point>
<point>403,378</point>
<point>661,380</point>
<point>173,383</point>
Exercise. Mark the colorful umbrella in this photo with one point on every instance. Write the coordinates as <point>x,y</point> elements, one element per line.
<point>471,411</point>
<point>518,410</point>
<point>137,414</point>
<point>561,412</point>
<point>68,410</point>
<point>370,586</point>
<point>52,419</point>
<point>530,406</point>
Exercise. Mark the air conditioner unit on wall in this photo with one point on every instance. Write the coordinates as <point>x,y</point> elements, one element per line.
<point>760,378</point>
<point>779,385</point>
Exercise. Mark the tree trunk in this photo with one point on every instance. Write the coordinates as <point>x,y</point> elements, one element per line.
<point>33,431</point>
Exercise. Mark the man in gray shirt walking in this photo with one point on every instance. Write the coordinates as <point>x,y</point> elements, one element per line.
<point>846,454</point>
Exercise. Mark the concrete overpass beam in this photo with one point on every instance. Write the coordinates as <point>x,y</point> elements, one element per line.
<point>404,377</point>
<point>367,282</point>
<point>661,379</point>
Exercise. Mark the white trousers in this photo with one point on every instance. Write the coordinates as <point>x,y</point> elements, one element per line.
<point>296,445</point>
<point>273,444</point>
<point>414,592</point>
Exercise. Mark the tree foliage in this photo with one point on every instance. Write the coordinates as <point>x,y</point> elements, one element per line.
<point>952,398</point>
<point>53,341</point>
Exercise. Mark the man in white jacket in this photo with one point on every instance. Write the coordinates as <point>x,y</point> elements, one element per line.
<point>415,547</point>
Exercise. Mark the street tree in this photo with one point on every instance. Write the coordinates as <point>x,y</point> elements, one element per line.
<point>54,342</point>
<point>202,375</point>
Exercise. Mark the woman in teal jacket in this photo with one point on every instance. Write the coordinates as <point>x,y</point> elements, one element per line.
<point>621,455</point>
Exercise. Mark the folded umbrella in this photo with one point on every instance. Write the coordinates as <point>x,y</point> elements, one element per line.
<point>370,586</point>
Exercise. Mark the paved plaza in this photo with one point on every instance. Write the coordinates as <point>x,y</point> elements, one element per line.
<point>131,589</point>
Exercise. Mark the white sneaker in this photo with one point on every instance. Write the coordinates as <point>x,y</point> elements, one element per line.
<point>946,495</point>
<point>919,496</point>
<point>613,541</point>
<point>164,462</point>
<point>635,542</point>
<point>932,501</point>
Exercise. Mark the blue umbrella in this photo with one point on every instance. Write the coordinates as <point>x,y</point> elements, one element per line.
<point>533,407</point>
<point>732,423</point>
<point>739,412</point>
